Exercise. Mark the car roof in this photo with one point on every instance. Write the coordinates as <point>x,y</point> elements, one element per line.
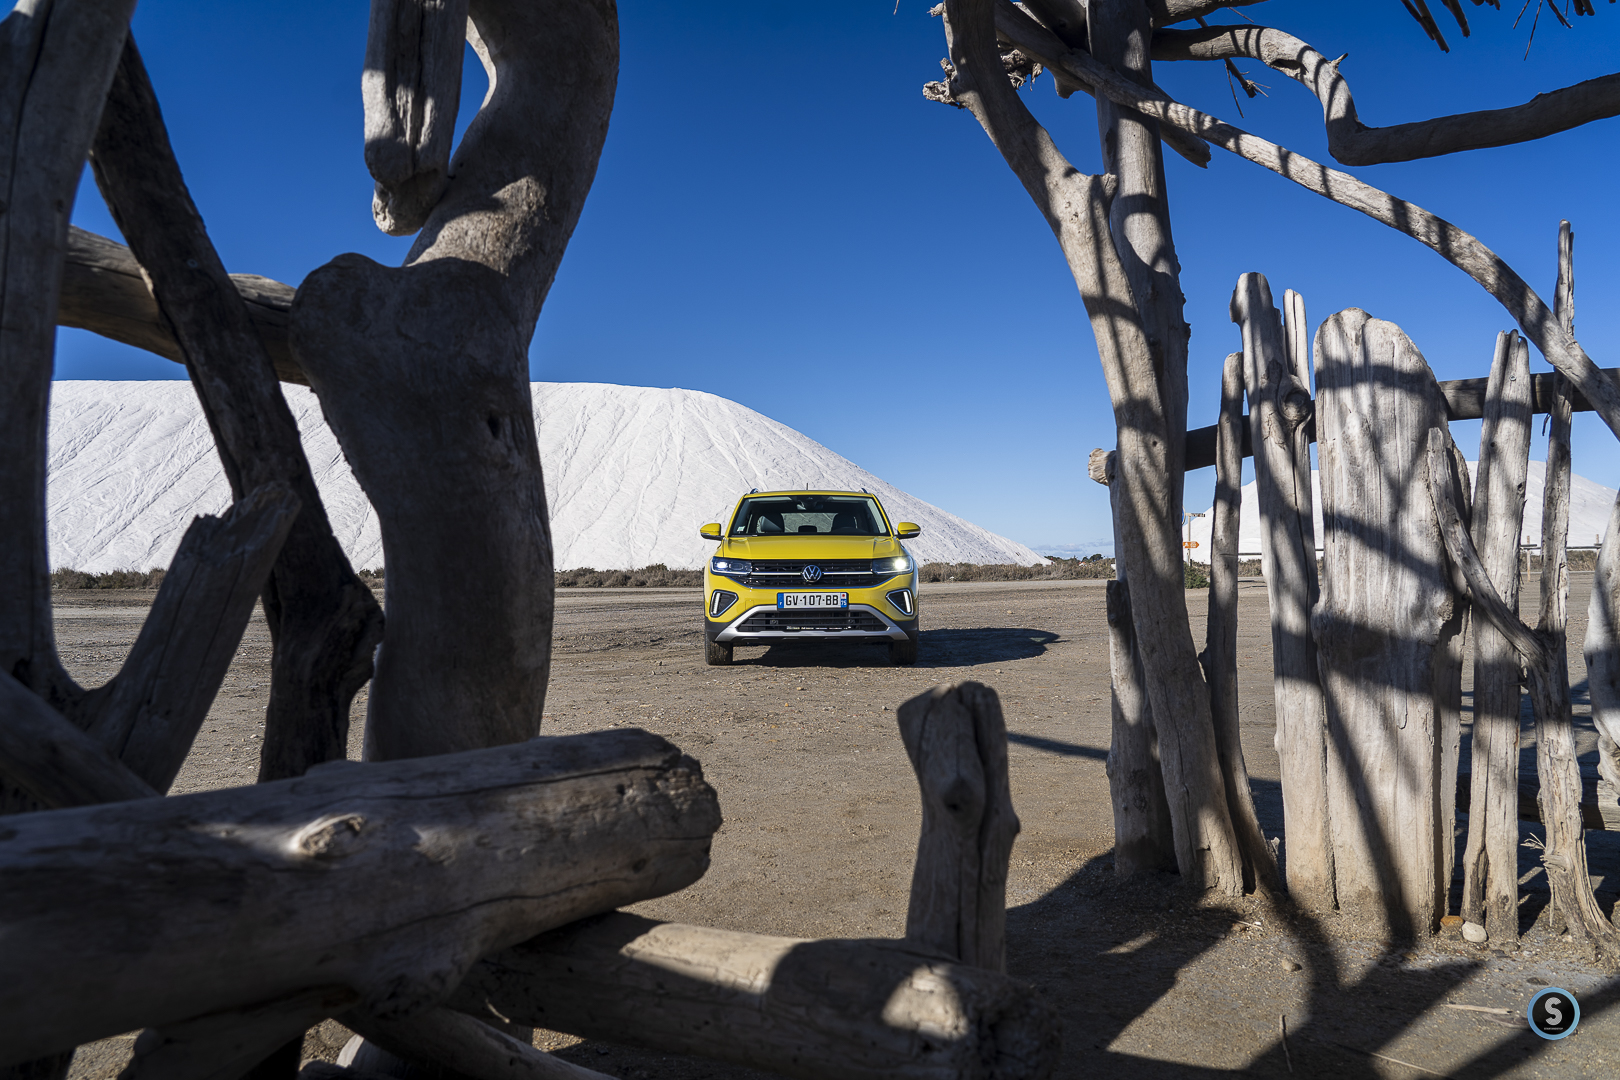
<point>809,491</point>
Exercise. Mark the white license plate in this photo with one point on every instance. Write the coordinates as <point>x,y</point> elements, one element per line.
<point>789,600</point>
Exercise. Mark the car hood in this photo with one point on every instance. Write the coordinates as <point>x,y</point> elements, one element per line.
<point>810,547</point>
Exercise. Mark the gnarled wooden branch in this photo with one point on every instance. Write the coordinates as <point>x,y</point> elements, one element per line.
<point>859,1010</point>
<point>52,760</point>
<point>324,621</point>
<point>225,1045</point>
<point>418,868</point>
<point>104,292</point>
<point>1457,247</point>
<point>150,713</point>
<point>1353,143</point>
<point>957,742</point>
<point>412,91</point>
<point>56,62</point>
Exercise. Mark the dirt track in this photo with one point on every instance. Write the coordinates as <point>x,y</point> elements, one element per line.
<point>821,819</point>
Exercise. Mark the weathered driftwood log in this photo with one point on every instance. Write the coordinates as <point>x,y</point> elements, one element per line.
<point>103,292</point>
<point>957,742</point>
<point>861,1010</point>
<point>226,1044</point>
<point>323,620</point>
<point>1144,838</point>
<point>463,1045</point>
<point>1141,338</point>
<point>1490,861</point>
<point>412,90</point>
<point>149,714</point>
<point>448,456</point>
<point>1279,406</point>
<point>429,864</point>
<point>1220,640</point>
<point>48,757</point>
<point>1385,628</point>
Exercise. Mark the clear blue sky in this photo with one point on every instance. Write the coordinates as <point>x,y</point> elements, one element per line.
<point>781,219</point>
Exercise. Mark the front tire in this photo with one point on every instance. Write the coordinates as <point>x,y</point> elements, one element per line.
<point>716,654</point>
<point>903,653</point>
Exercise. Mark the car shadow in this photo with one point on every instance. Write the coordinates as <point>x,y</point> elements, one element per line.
<point>935,649</point>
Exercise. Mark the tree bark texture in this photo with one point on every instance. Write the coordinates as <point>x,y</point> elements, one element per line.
<point>448,455</point>
<point>52,761</point>
<point>1384,628</point>
<point>1353,143</point>
<point>104,292</point>
<point>860,1010</point>
<point>1602,650</point>
<point>1456,246</point>
<point>1144,840</point>
<point>1220,642</point>
<point>1279,407</point>
<point>1149,463</point>
<point>225,1045</point>
<point>157,912</point>
<point>1491,862</point>
<point>323,620</point>
<point>957,742</point>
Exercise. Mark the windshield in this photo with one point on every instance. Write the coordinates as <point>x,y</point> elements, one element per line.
<point>826,515</point>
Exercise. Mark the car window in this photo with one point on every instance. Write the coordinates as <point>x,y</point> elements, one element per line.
<point>809,515</point>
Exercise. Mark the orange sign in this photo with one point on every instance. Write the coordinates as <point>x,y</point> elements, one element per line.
<point>1189,543</point>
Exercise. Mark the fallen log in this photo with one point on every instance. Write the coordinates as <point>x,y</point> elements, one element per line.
<point>391,878</point>
<point>462,1044</point>
<point>855,1009</point>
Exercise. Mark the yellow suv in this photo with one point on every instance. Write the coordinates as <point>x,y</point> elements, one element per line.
<point>810,565</point>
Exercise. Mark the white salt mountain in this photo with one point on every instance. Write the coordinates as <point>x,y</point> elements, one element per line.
<point>631,472</point>
<point>1589,507</point>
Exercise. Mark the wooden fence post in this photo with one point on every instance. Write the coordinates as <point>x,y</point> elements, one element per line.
<point>1491,861</point>
<point>1220,643</point>
<point>1278,408</point>
<point>1385,628</point>
<point>957,742</point>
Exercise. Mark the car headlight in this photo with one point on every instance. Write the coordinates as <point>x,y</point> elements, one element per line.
<point>900,564</point>
<point>730,566</point>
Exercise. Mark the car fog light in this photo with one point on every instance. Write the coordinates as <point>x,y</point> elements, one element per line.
<point>901,599</point>
<point>719,601</point>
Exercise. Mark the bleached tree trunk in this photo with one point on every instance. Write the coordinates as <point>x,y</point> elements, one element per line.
<point>1602,649</point>
<point>1491,861</point>
<point>1279,408</point>
<point>422,372</point>
<point>1149,407</point>
<point>1384,627</point>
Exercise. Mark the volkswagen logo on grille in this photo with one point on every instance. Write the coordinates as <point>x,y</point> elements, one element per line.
<point>811,573</point>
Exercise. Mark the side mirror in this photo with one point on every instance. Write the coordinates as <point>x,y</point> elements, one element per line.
<point>711,531</point>
<point>905,530</point>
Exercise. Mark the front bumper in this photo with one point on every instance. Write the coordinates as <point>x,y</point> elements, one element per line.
<point>765,623</point>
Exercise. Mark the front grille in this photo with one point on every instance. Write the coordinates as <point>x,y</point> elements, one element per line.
<point>795,621</point>
<point>789,574</point>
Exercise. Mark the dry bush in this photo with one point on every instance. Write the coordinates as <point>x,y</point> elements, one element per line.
<point>1096,566</point>
<point>68,578</point>
<point>656,575</point>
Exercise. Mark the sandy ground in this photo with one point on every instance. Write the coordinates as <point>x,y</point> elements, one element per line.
<point>822,814</point>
